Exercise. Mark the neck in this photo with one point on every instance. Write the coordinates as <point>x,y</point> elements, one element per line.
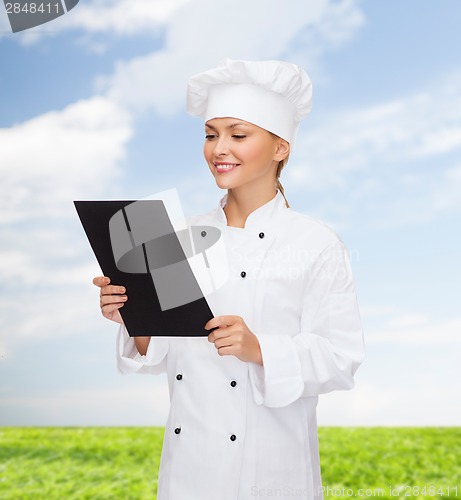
<point>241,202</point>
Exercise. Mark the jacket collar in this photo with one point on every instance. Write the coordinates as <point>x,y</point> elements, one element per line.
<point>259,217</point>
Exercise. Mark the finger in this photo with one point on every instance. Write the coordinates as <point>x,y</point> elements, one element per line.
<point>109,309</point>
<point>224,342</point>
<point>219,321</point>
<point>112,299</point>
<point>112,290</point>
<point>226,351</point>
<point>220,333</point>
<point>101,281</point>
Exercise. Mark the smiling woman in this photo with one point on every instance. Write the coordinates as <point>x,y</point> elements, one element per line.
<point>243,400</point>
<point>244,159</point>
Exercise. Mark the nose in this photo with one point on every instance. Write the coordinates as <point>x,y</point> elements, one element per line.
<point>221,146</point>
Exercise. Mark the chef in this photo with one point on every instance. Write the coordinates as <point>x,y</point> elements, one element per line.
<point>286,326</point>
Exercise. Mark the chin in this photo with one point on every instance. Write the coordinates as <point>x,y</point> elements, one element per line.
<point>224,185</point>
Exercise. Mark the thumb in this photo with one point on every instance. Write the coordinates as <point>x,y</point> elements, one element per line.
<point>101,281</point>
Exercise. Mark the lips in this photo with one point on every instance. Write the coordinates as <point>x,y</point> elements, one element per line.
<point>225,167</point>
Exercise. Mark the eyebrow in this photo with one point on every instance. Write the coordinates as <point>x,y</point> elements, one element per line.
<point>233,125</point>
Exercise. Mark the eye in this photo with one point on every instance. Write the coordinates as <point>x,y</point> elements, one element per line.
<point>210,137</point>
<point>239,136</point>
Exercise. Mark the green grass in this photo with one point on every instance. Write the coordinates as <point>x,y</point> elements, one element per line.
<point>383,459</point>
<point>105,462</point>
<point>83,463</point>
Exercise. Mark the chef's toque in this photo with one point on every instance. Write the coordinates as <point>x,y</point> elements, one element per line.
<point>274,95</point>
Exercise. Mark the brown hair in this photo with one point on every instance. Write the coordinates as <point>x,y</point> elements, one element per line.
<point>278,184</point>
<point>280,166</point>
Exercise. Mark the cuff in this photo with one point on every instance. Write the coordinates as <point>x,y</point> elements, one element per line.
<point>130,361</point>
<point>279,382</point>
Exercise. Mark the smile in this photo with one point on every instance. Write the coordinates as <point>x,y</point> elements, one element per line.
<point>225,167</point>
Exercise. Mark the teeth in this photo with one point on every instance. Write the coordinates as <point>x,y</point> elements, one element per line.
<point>225,167</point>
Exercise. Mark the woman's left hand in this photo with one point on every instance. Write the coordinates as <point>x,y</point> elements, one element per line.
<point>232,336</point>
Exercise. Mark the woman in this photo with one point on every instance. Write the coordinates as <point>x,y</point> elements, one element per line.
<point>286,327</point>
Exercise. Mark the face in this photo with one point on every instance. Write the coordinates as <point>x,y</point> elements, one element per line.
<point>239,153</point>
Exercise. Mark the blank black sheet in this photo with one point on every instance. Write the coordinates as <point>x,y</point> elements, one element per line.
<point>142,313</point>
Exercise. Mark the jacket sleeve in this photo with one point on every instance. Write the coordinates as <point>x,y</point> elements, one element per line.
<point>130,361</point>
<point>327,351</point>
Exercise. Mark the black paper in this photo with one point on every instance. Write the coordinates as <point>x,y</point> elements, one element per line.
<point>142,313</point>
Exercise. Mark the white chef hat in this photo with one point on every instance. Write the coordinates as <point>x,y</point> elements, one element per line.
<point>274,95</point>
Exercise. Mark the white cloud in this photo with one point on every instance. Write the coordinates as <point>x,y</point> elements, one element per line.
<point>411,364</point>
<point>202,32</point>
<point>46,161</point>
<point>259,27</point>
<point>107,17</point>
<point>45,253</point>
<point>377,139</point>
<point>121,17</point>
<point>440,141</point>
<point>3,351</point>
<point>417,329</point>
<point>389,325</point>
<point>39,313</point>
<point>371,404</point>
<point>409,321</point>
<point>446,195</point>
<point>376,311</point>
<point>393,161</point>
<point>139,401</point>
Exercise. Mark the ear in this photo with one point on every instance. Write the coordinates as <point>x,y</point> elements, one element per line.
<point>283,149</point>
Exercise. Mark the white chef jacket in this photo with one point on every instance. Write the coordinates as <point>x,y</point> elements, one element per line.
<point>239,430</point>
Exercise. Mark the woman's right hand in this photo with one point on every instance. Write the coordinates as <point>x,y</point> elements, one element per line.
<point>112,298</point>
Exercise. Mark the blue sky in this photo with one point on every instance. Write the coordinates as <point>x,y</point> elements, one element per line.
<point>92,107</point>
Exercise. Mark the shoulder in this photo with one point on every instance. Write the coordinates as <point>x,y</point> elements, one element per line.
<point>308,229</point>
